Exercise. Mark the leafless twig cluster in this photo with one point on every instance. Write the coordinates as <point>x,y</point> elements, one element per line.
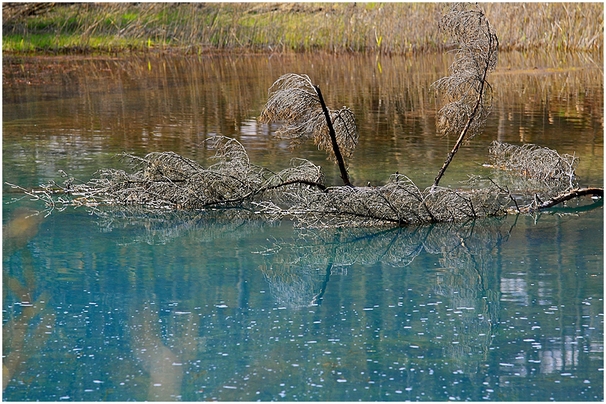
<point>399,202</point>
<point>298,104</point>
<point>166,180</point>
<point>539,177</point>
<point>534,177</point>
<point>543,166</point>
<point>466,90</point>
<point>293,100</point>
<point>475,56</point>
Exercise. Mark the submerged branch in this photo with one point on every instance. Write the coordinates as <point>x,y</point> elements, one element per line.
<point>561,198</point>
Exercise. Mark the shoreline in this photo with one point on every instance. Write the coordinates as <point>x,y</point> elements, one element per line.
<point>265,28</point>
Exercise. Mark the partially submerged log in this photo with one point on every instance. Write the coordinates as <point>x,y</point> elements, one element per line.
<point>168,181</point>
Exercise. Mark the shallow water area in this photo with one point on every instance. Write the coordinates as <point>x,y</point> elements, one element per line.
<point>118,305</point>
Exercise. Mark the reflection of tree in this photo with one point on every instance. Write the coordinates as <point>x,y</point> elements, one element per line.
<point>28,318</point>
<point>298,271</point>
<point>25,333</point>
<point>467,283</point>
<point>161,228</point>
<point>163,341</point>
<point>164,367</point>
<point>448,273</point>
<point>469,280</point>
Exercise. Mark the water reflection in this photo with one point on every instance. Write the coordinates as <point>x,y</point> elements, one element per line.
<point>164,367</point>
<point>253,310</point>
<point>126,306</point>
<point>27,326</point>
<point>83,109</point>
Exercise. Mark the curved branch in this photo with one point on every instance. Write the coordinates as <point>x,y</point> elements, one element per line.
<point>321,187</point>
<point>571,194</point>
<point>475,59</point>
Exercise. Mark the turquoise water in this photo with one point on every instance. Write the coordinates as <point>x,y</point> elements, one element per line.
<point>198,308</point>
<point>119,305</point>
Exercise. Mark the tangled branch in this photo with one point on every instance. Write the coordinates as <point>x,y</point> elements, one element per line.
<point>466,89</point>
<point>398,203</point>
<point>544,166</point>
<point>297,103</point>
<point>526,178</point>
<point>541,177</point>
<point>169,181</point>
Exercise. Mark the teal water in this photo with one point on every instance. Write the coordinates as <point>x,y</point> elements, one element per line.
<point>118,305</point>
<point>199,308</point>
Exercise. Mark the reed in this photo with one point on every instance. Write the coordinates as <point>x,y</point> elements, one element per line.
<point>390,28</point>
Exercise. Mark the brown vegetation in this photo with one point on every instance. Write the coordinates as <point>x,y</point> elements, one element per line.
<point>391,28</point>
<point>467,88</point>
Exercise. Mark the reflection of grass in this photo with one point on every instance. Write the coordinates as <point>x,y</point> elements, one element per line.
<point>339,27</point>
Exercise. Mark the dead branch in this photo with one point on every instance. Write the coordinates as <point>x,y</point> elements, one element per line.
<point>545,167</point>
<point>533,173</point>
<point>566,196</point>
<point>298,104</point>
<point>466,87</point>
<point>526,179</point>
<point>333,138</point>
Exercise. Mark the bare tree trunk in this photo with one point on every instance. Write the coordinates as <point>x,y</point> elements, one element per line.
<point>333,139</point>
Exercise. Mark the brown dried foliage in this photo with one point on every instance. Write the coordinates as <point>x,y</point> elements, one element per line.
<point>293,101</point>
<point>465,89</point>
<point>523,177</point>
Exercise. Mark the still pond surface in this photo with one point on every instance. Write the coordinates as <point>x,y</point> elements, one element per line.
<point>200,306</point>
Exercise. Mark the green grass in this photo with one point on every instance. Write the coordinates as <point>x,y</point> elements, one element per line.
<point>68,43</point>
<point>392,28</point>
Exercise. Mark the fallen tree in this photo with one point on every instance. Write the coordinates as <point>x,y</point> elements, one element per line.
<point>525,178</point>
<point>167,181</point>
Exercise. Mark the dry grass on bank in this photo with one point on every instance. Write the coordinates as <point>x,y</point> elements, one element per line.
<point>392,28</point>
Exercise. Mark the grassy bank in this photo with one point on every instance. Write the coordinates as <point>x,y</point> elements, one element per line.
<point>396,28</point>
